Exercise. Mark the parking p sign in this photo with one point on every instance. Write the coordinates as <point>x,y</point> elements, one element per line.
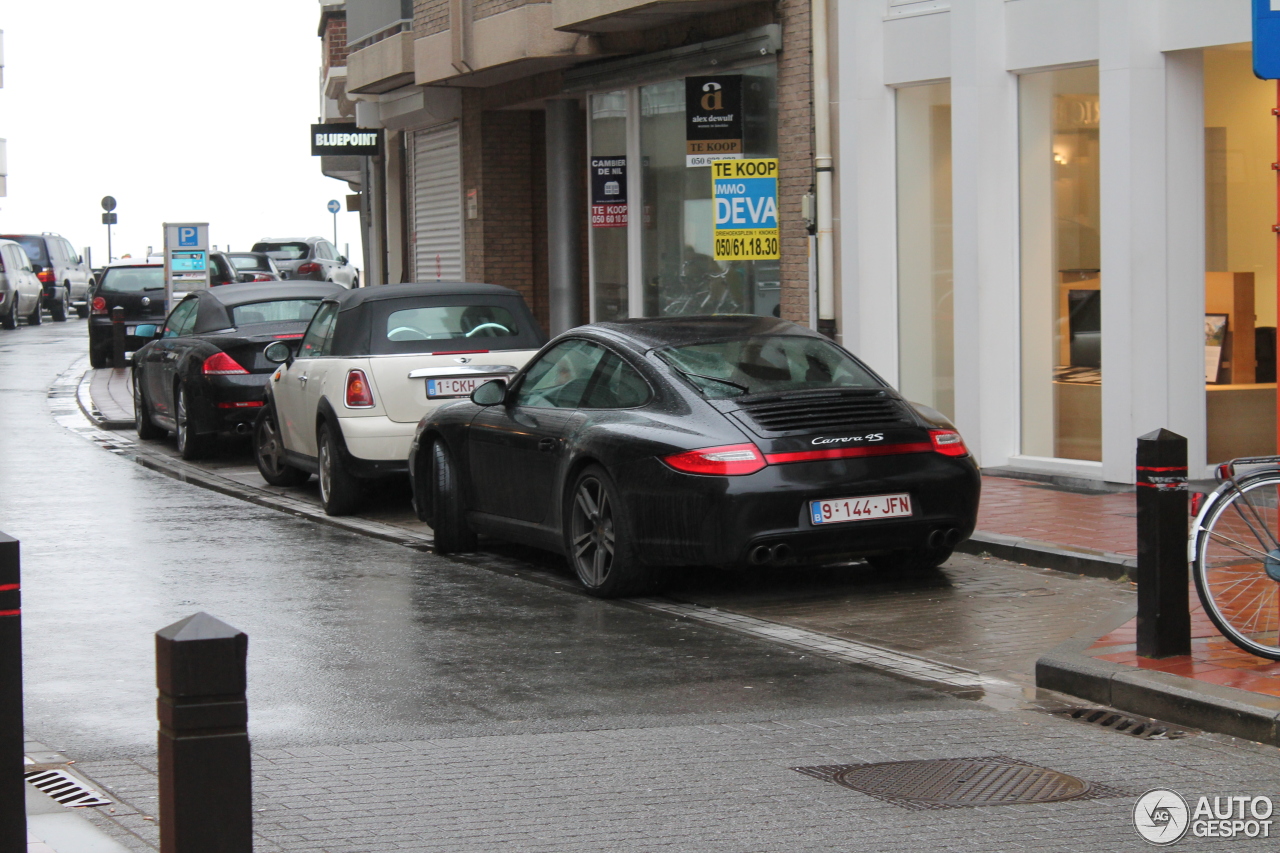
<point>188,235</point>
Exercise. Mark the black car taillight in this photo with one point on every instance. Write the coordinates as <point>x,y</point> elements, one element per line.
<point>99,305</point>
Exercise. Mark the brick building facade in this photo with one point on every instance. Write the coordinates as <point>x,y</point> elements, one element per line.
<point>488,68</point>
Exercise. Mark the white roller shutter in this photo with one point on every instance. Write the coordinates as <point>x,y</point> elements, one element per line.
<point>435,180</point>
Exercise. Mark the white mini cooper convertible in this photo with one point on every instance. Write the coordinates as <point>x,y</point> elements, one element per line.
<point>371,364</point>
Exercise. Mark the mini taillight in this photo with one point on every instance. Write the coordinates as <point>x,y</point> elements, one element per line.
<point>221,364</point>
<point>99,305</point>
<point>46,277</point>
<point>948,442</point>
<point>732,460</point>
<point>359,394</point>
<point>308,268</point>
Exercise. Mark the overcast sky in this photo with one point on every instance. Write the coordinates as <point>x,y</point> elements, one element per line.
<point>184,112</point>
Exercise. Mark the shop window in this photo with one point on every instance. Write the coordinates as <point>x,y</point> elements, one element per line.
<point>1061,289</point>
<point>925,319</point>
<point>609,209</point>
<point>677,212</point>
<point>1240,257</point>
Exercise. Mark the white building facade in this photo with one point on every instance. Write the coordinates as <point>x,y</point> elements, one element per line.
<point>1055,223</point>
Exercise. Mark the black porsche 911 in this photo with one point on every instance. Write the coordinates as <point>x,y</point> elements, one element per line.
<point>722,441</point>
<point>204,372</point>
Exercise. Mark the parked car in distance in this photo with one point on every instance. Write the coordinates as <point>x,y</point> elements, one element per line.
<point>137,286</point>
<point>254,266</point>
<point>20,290</point>
<point>62,271</point>
<point>372,363</point>
<point>723,441</point>
<point>203,373</point>
<point>312,258</point>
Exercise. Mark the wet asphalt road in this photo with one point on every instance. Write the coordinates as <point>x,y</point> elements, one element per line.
<point>351,639</point>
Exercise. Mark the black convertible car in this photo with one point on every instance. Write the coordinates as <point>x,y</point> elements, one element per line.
<point>203,372</point>
<point>722,441</point>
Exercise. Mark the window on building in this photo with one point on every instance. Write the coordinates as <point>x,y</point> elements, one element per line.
<point>609,208</point>
<point>1240,256</point>
<point>925,319</point>
<point>1058,122</point>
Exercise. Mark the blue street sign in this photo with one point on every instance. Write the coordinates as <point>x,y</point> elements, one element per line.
<point>1266,39</point>
<point>334,207</point>
<point>188,236</point>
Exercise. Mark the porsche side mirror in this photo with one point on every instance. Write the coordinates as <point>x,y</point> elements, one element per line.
<point>490,393</point>
<point>278,352</point>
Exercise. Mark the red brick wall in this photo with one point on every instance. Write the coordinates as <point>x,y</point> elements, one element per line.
<point>795,154</point>
<point>334,44</point>
<point>430,17</point>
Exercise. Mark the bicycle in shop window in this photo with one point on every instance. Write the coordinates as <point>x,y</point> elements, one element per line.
<point>1235,554</point>
<point>708,286</point>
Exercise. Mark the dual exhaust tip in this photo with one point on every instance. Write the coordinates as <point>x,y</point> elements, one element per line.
<point>939,538</point>
<point>780,553</point>
<point>763,555</point>
<point>244,429</point>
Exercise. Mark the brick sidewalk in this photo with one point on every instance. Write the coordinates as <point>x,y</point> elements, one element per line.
<point>1108,522</point>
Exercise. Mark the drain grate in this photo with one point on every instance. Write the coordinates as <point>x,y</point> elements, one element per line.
<point>949,783</point>
<point>1106,718</point>
<point>65,788</point>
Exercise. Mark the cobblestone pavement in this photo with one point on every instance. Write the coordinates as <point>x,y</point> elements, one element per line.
<point>720,787</point>
<point>1100,521</point>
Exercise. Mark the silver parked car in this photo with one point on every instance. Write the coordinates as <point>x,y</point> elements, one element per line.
<point>20,290</point>
<point>313,258</point>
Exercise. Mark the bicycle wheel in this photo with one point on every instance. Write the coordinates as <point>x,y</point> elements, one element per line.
<point>1235,560</point>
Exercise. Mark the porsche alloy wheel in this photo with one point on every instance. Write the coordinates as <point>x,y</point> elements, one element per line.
<point>599,544</point>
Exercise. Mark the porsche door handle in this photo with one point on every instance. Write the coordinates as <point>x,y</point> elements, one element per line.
<point>547,445</point>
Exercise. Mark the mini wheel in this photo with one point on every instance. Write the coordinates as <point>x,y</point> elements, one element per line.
<point>268,453</point>
<point>340,492</point>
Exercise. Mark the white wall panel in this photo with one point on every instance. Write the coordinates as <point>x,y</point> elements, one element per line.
<point>1044,33</point>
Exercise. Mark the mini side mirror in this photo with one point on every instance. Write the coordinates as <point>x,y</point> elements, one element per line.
<point>278,352</point>
<point>490,393</point>
<point>147,330</point>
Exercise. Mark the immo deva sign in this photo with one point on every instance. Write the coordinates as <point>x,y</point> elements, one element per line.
<point>746,204</point>
<point>344,139</point>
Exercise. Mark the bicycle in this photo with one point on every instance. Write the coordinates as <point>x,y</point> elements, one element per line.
<point>1234,551</point>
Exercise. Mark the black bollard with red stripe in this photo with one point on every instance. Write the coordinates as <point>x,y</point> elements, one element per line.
<point>1164,611</point>
<point>13,787</point>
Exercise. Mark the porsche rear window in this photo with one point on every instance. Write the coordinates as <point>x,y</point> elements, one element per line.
<point>450,322</point>
<point>765,365</point>
<point>277,311</point>
<point>132,279</point>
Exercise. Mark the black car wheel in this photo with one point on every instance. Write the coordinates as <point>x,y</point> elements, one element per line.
<point>191,445</point>
<point>339,491</point>
<point>917,561</point>
<point>36,317</point>
<point>147,430</point>
<point>97,356</point>
<point>10,319</point>
<point>268,452</point>
<point>58,310</point>
<point>599,545</point>
<point>448,513</point>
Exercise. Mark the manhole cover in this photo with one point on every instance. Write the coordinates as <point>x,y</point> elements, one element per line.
<point>949,783</point>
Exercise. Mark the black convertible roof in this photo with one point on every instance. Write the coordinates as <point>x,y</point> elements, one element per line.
<point>652,332</point>
<point>232,295</point>
<point>379,292</point>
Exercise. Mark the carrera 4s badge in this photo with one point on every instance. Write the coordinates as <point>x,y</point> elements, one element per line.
<point>853,439</point>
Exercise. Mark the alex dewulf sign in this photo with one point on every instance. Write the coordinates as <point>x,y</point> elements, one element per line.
<point>713,119</point>
<point>339,139</point>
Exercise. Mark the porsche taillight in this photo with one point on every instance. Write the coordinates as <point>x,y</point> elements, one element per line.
<point>730,460</point>
<point>359,394</point>
<point>948,442</point>
<point>308,268</point>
